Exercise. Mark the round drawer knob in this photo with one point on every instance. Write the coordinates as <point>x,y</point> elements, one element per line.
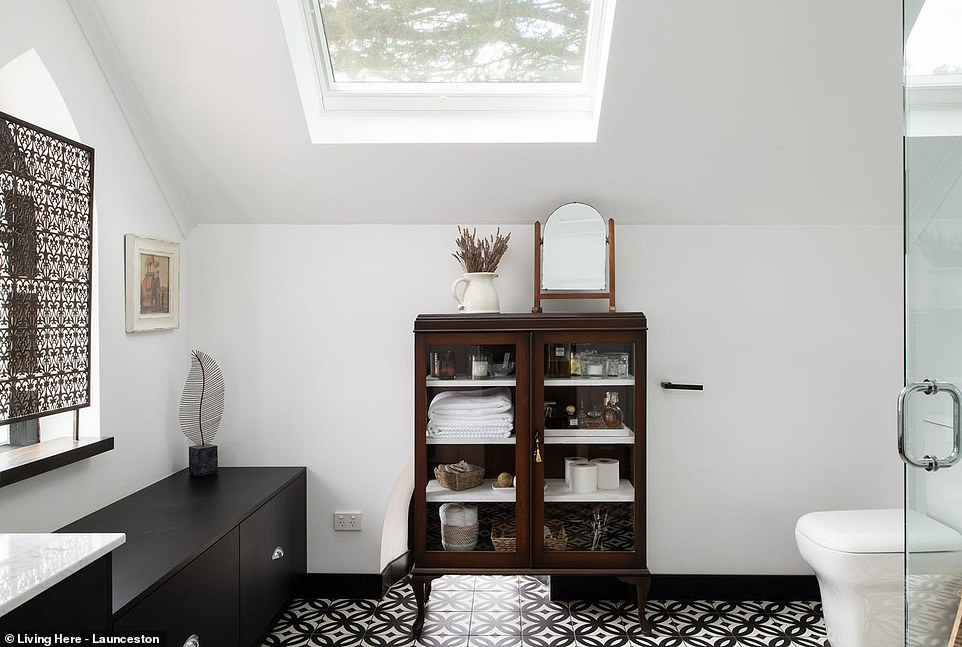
<point>278,553</point>
<point>192,641</point>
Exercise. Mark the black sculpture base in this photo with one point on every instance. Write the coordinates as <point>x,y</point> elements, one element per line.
<point>203,460</point>
<point>24,434</point>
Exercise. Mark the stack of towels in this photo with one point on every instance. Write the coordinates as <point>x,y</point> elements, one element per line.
<point>485,413</point>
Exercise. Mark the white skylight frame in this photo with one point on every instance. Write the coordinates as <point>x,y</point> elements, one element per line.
<point>339,112</point>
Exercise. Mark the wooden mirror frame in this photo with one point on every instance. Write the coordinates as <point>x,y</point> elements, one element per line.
<point>540,294</point>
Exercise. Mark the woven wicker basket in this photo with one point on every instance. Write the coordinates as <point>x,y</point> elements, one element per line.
<point>459,480</point>
<point>503,536</point>
<point>459,537</point>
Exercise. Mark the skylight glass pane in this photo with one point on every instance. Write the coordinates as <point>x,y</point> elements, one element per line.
<point>934,47</point>
<point>456,41</point>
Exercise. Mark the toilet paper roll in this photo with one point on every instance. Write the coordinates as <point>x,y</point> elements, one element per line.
<point>470,515</point>
<point>608,474</point>
<point>584,477</point>
<point>568,462</point>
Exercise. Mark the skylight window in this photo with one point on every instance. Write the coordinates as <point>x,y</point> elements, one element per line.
<point>473,41</point>
<point>472,70</point>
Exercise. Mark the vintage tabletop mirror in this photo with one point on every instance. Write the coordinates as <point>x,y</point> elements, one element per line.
<point>574,256</point>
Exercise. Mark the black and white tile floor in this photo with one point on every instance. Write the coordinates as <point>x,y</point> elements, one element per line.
<point>515,611</point>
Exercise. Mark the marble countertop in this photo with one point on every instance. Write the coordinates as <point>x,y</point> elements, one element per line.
<point>32,563</point>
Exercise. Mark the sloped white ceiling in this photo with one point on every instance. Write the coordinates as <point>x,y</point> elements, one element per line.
<point>745,112</point>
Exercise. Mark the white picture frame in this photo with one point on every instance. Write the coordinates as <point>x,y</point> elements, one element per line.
<point>152,284</point>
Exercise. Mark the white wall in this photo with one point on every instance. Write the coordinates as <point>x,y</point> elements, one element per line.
<point>140,376</point>
<point>795,332</point>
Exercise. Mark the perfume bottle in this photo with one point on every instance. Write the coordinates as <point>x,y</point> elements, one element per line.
<point>558,359</point>
<point>612,414</point>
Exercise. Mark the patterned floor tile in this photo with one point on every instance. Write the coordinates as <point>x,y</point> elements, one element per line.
<point>441,641</point>
<point>602,639</point>
<point>515,611</point>
<point>494,641</point>
<point>545,619</point>
<point>713,641</point>
<point>496,623</point>
<point>450,600</point>
<point>497,583</point>
<point>388,640</point>
<point>549,640</point>
<point>597,617</point>
<point>663,641</point>
<point>457,582</point>
<point>389,621</point>
<point>323,639</point>
<point>496,600</point>
<point>455,623</point>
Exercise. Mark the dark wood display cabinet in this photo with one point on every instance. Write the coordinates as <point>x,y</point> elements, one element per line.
<point>552,407</point>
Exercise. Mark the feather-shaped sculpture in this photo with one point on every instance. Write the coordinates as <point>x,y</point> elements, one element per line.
<point>202,404</point>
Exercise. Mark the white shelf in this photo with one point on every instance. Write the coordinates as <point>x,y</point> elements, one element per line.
<point>623,436</point>
<point>590,381</point>
<point>558,492</point>
<point>483,493</point>
<point>482,383</point>
<point>510,440</point>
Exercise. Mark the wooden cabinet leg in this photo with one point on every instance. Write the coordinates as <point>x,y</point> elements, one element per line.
<point>642,586</point>
<point>421,585</point>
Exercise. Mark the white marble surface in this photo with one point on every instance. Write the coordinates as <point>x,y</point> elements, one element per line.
<point>32,563</point>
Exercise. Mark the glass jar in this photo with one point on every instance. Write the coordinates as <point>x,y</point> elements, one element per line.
<point>594,365</point>
<point>479,366</point>
<point>444,365</point>
<point>617,365</point>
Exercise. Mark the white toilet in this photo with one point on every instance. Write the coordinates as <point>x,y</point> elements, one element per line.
<point>858,557</point>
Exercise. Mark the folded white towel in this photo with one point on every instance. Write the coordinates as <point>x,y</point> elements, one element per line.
<point>435,426</point>
<point>479,402</point>
<point>488,419</point>
<point>468,433</point>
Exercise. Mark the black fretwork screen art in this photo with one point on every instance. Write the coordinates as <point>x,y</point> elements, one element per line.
<point>46,239</point>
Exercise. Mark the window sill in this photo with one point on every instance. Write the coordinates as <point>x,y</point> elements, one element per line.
<point>19,463</point>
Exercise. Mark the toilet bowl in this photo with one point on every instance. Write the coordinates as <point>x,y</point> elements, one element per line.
<point>858,558</point>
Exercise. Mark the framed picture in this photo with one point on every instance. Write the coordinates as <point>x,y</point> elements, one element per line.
<point>152,284</point>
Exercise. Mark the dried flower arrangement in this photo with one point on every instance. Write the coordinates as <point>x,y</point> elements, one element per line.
<point>480,254</point>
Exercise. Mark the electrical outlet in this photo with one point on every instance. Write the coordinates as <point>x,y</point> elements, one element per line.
<point>348,520</point>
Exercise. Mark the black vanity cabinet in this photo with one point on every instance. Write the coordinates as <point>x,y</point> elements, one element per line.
<point>212,557</point>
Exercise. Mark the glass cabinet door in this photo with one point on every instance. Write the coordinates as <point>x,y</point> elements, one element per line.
<point>473,416</point>
<point>588,488</point>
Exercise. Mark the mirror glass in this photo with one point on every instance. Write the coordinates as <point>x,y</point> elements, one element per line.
<point>573,251</point>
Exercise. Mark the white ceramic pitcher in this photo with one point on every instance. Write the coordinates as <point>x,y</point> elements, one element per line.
<point>478,294</point>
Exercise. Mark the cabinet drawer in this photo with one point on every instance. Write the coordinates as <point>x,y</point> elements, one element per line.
<point>201,599</point>
<point>273,555</point>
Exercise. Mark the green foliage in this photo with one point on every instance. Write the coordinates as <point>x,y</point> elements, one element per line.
<point>421,41</point>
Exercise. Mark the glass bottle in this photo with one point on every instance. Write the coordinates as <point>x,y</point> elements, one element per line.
<point>559,360</point>
<point>612,414</point>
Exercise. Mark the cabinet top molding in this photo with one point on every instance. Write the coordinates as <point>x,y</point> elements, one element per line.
<point>528,322</point>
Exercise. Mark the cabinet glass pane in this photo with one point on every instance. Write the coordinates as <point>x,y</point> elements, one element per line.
<point>471,434</point>
<point>589,447</point>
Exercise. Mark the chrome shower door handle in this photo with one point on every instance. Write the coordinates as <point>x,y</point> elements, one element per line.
<point>927,462</point>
